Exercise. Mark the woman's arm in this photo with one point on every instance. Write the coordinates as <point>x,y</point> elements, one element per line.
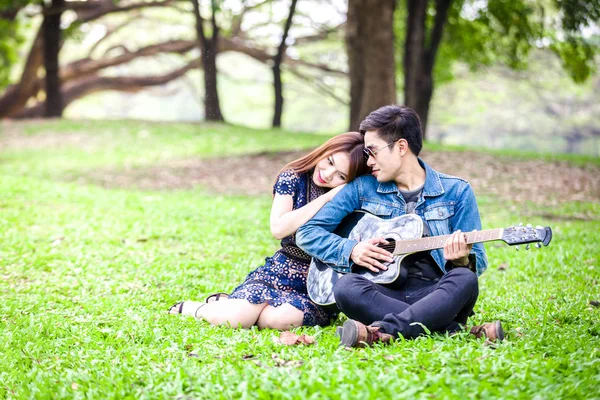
<point>285,220</point>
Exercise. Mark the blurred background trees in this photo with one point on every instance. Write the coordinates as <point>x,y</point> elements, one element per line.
<point>339,60</point>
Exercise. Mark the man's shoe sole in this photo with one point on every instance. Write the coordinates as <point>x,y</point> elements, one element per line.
<point>349,334</point>
<point>499,331</point>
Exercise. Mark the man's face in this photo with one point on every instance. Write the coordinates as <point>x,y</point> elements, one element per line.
<point>386,161</point>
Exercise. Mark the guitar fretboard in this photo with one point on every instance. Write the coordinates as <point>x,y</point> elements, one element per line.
<point>437,242</point>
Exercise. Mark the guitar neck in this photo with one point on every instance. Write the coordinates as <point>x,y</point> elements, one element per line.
<point>437,242</point>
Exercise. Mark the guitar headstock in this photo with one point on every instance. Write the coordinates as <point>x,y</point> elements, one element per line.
<point>516,235</point>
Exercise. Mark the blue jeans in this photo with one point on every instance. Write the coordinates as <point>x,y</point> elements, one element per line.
<point>441,306</point>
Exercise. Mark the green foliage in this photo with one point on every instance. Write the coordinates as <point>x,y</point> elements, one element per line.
<point>577,57</point>
<point>504,32</point>
<point>577,14</point>
<point>10,40</point>
<point>11,35</point>
<point>88,273</point>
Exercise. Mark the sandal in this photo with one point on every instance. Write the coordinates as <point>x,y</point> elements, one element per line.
<point>179,307</point>
<point>217,297</point>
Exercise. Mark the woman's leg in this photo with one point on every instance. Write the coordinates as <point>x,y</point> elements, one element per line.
<point>230,312</point>
<point>282,318</point>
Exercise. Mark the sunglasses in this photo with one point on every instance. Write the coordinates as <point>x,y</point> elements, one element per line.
<point>372,153</point>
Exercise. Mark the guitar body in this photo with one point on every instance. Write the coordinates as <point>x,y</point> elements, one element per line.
<point>362,226</point>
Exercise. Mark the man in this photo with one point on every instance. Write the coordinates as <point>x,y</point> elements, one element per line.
<point>442,288</point>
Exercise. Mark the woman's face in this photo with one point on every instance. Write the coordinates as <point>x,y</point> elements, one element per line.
<point>332,171</point>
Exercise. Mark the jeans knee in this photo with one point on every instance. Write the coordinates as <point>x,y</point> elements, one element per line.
<point>466,279</point>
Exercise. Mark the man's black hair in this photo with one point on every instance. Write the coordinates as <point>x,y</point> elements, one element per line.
<point>395,122</point>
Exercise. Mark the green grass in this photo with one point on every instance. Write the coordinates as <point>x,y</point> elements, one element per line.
<point>88,273</point>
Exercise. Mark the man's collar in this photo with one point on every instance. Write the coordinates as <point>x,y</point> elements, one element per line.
<point>433,185</point>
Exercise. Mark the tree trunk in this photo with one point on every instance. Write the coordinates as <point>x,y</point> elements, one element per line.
<point>208,47</point>
<point>370,46</point>
<point>15,96</point>
<point>277,83</point>
<point>212,106</point>
<point>420,50</point>
<point>52,34</point>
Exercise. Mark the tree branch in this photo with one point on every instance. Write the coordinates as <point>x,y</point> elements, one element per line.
<point>114,30</point>
<point>95,83</point>
<point>87,66</point>
<point>320,86</point>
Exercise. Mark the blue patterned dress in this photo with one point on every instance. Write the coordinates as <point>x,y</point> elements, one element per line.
<point>282,279</point>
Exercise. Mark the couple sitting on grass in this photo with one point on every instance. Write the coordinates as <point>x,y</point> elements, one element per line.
<point>311,197</point>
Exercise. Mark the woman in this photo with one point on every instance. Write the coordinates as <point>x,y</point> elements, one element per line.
<point>275,295</point>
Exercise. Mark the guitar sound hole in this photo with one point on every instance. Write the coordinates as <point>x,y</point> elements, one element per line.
<point>390,246</point>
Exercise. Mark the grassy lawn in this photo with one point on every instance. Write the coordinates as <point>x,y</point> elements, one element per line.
<point>88,273</point>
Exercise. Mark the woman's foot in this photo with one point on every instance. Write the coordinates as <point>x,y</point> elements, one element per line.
<point>186,308</point>
<point>191,307</point>
<point>217,297</point>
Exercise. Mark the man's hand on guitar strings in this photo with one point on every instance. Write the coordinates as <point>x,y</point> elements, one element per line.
<point>456,248</point>
<point>367,254</point>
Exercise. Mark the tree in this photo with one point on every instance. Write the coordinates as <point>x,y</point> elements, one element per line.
<point>10,36</point>
<point>85,76</point>
<point>371,64</point>
<point>277,60</point>
<point>52,42</point>
<point>438,33</point>
<point>208,46</point>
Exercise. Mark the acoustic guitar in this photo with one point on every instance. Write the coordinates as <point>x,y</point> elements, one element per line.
<point>404,235</point>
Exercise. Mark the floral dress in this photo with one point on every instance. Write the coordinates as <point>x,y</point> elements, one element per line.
<point>282,279</point>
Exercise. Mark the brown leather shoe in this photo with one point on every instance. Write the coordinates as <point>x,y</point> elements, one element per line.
<point>492,331</point>
<point>355,334</point>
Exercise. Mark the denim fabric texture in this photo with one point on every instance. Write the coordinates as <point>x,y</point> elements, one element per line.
<point>441,306</point>
<point>446,205</point>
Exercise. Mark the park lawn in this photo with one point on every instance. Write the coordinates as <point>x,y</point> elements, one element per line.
<point>88,274</point>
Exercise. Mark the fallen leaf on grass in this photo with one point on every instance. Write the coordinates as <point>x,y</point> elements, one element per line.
<point>74,386</point>
<point>291,339</point>
<point>503,267</point>
<point>595,303</point>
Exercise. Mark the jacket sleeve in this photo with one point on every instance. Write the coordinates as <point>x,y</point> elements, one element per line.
<point>466,218</point>
<point>316,237</point>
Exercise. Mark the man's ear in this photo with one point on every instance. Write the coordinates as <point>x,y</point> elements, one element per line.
<point>402,145</point>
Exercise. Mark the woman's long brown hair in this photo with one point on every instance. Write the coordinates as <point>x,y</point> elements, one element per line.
<point>351,143</point>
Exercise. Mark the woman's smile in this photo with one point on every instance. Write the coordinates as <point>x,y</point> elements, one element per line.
<point>321,180</point>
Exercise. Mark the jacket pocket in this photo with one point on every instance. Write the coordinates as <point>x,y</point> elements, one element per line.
<point>379,209</point>
<point>438,217</point>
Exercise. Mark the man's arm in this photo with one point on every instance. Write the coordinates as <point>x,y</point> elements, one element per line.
<point>466,219</point>
<point>316,237</point>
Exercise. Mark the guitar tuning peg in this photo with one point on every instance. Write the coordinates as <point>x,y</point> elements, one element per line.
<point>527,247</point>
<point>517,248</point>
<point>538,245</point>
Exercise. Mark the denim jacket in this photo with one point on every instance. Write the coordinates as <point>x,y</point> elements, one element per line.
<point>446,204</point>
